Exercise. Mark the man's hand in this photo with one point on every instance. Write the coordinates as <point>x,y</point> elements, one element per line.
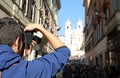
<point>33,27</point>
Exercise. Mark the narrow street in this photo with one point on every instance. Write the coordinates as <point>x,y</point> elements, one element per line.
<point>94,43</point>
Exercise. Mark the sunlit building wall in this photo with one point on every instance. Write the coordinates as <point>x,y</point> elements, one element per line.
<point>102,32</point>
<point>34,11</point>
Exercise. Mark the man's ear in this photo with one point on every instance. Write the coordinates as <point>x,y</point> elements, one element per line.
<point>17,41</point>
<point>16,44</point>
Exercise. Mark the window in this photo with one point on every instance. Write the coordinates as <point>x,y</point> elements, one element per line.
<point>31,5</point>
<point>118,4</point>
<point>41,3</point>
<point>67,27</point>
<point>100,28</point>
<point>28,8</point>
<point>106,15</point>
<point>99,4</point>
<point>23,5</point>
<point>113,5</point>
<point>106,12</point>
<point>79,26</point>
<point>33,13</point>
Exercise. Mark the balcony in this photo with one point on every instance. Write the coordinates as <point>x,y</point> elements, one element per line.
<point>114,43</point>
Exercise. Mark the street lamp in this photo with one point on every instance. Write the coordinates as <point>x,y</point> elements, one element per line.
<point>96,12</point>
<point>96,17</point>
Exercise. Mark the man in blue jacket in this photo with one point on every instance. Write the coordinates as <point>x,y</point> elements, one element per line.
<point>11,50</point>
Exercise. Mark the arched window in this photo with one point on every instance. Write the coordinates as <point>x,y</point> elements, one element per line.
<point>67,27</point>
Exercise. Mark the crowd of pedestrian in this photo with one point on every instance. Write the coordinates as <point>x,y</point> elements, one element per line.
<point>78,70</point>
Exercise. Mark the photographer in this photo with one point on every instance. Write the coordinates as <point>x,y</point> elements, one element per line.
<point>11,50</point>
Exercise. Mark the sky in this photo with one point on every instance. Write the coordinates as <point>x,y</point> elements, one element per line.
<point>70,9</point>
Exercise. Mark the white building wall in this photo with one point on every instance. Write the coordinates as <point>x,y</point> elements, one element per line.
<point>74,38</point>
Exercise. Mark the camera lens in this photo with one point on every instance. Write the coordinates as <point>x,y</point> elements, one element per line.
<point>37,39</point>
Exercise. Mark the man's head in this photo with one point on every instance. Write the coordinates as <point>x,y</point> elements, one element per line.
<point>11,33</point>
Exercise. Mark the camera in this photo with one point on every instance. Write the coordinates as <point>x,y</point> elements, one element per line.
<point>28,37</point>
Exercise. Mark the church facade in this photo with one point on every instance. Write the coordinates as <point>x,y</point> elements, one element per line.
<point>74,38</point>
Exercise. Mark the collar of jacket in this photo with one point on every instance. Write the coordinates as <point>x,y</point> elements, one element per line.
<point>8,57</point>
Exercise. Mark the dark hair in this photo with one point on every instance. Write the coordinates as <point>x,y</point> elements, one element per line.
<point>10,29</point>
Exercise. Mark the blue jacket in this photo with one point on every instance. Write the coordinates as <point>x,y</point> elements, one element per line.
<point>13,66</point>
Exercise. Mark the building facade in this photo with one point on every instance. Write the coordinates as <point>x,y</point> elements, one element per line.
<point>73,38</point>
<point>102,32</point>
<point>34,11</point>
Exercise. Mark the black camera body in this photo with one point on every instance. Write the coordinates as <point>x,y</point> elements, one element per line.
<point>28,37</point>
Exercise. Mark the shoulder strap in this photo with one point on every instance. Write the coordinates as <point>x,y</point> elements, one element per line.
<point>0,74</point>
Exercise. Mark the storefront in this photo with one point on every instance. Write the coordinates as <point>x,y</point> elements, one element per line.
<point>114,48</point>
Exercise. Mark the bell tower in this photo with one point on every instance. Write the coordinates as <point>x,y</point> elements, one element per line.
<point>68,32</point>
